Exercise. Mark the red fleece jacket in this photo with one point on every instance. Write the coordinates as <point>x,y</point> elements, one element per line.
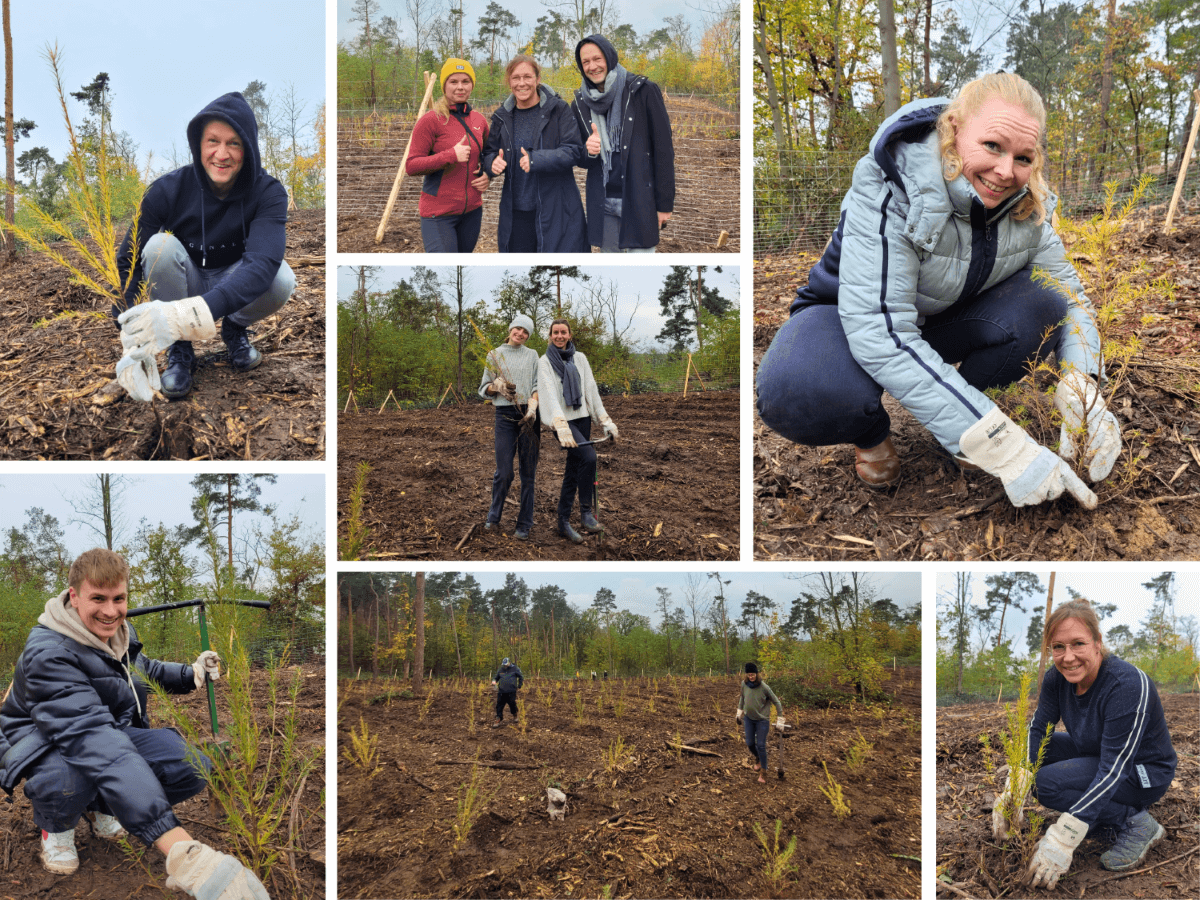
<point>447,190</point>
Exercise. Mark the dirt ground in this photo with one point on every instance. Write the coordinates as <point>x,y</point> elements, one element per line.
<point>808,503</point>
<point>968,855</point>
<point>105,870</point>
<point>658,825</point>
<point>58,350</point>
<point>668,489</point>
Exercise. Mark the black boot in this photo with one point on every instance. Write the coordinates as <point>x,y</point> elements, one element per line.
<point>565,529</point>
<point>242,355</point>
<point>589,523</point>
<point>181,364</point>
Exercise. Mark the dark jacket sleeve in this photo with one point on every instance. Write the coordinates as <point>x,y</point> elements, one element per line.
<point>580,117</point>
<point>664,148</point>
<point>153,216</point>
<point>562,133</point>
<point>175,678</point>
<point>266,240</point>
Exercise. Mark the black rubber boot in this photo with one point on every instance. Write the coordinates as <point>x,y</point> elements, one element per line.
<point>589,523</point>
<point>242,355</point>
<point>565,529</point>
<point>181,365</point>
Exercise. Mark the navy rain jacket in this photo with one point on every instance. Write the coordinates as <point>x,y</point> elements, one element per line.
<point>509,678</point>
<point>249,224</point>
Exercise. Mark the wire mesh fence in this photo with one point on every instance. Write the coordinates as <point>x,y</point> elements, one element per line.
<point>798,195</point>
<point>705,131</point>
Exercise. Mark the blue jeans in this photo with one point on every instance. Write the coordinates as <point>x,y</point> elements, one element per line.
<point>451,234</point>
<point>60,794</point>
<point>812,391</point>
<point>172,275</point>
<point>525,446</point>
<point>580,474</point>
<point>756,731</point>
<point>1066,775</point>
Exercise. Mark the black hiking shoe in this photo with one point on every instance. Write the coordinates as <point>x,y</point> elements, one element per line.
<point>242,355</point>
<point>181,365</point>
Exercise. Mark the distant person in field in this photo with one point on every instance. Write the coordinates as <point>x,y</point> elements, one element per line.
<point>510,382</point>
<point>754,715</point>
<point>507,681</point>
<point>210,244</point>
<point>927,290</point>
<point>74,725</point>
<point>447,147</point>
<point>570,401</point>
<point>1111,762</point>
<point>534,145</point>
<point>628,153</point>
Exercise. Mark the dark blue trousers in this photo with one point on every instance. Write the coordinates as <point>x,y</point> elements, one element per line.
<point>451,234</point>
<point>756,731</point>
<point>60,793</point>
<point>812,391</point>
<point>1066,775</point>
<point>511,441</point>
<point>580,475</point>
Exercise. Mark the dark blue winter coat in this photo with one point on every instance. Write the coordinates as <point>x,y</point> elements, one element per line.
<point>560,222</point>
<point>509,678</point>
<point>248,224</point>
<point>77,700</point>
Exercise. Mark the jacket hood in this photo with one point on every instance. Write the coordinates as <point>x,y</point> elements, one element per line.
<point>61,617</point>
<point>234,111</point>
<point>609,51</point>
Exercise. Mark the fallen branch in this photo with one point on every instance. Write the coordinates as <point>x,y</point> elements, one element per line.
<point>955,889</point>
<point>1156,500</point>
<point>972,510</point>
<point>696,750</point>
<point>465,537</point>
<point>484,762</point>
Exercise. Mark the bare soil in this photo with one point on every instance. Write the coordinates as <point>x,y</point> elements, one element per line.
<point>657,825</point>
<point>59,348</point>
<point>978,867</point>
<point>667,490</point>
<point>105,870</point>
<point>809,504</point>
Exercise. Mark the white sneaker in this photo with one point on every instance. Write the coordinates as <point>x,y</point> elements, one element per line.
<point>107,827</point>
<point>58,852</point>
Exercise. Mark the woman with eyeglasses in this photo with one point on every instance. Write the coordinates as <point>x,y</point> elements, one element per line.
<point>1113,760</point>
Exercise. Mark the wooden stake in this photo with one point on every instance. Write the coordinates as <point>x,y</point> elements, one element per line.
<point>1183,167</point>
<point>430,80</point>
<point>444,393</point>
<point>385,400</point>
<point>350,399</point>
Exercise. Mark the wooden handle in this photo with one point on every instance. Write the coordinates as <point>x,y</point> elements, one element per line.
<point>430,80</point>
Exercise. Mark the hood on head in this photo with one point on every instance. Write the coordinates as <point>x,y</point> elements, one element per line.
<point>609,51</point>
<point>234,111</point>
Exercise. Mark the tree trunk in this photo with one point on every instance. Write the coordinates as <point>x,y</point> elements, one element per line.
<point>1106,84</point>
<point>764,56</point>
<point>454,627</point>
<point>1045,635</point>
<point>891,65</point>
<point>9,136</point>
<point>419,612</point>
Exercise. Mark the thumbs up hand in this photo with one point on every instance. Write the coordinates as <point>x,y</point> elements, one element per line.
<point>524,160</point>
<point>498,164</point>
<point>462,150</point>
<point>593,142</point>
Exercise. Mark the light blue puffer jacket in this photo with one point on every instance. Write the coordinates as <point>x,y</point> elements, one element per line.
<point>910,245</point>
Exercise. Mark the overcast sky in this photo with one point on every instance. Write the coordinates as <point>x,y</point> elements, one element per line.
<point>1124,588</point>
<point>157,498</point>
<point>639,287</point>
<point>166,60</point>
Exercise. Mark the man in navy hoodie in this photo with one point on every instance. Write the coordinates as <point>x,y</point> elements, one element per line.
<point>209,245</point>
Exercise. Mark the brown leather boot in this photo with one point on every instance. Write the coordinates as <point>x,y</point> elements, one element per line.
<point>878,466</point>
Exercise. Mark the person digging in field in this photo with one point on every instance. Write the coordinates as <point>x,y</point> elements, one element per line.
<point>209,245</point>
<point>754,715</point>
<point>534,145</point>
<point>507,681</point>
<point>74,727</point>
<point>1111,763</point>
<point>570,400</point>
<point>931,266</point>
<point>447,146</point>
<point>628,151</point>
<point>510,382</point>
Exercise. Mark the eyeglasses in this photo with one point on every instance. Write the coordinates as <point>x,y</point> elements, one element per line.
<point>1077,647</point>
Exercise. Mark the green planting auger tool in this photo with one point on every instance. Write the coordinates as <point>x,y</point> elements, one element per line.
<point>220,746</point>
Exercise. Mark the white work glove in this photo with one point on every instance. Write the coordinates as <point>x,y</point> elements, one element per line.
<point>200,871</point>
<point>563,430</point>
<point>1015,791</point>
<point>504,388</point>
<point>531,413</point>
<point>1053,855</point>
<point>780,723</point>
<point>610,428</point>
<point>1030,473</point>
<point>207,663</point>
<point>1085,416</point>
<point>137,372</point>
<point>739,717</point>
<point>158,325</point>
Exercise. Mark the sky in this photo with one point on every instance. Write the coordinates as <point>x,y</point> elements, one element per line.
<point>161,76</point>
<point>157,498</point>
<point>636,590</point>
<point>639,288</point>
<point>1124,588</point>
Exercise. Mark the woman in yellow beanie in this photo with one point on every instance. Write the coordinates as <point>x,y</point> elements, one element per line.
<point>447,144</point>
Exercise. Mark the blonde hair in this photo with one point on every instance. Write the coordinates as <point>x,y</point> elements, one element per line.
<point>1016,91</point>
<point>100,566</point>
<point>1075,609</point>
